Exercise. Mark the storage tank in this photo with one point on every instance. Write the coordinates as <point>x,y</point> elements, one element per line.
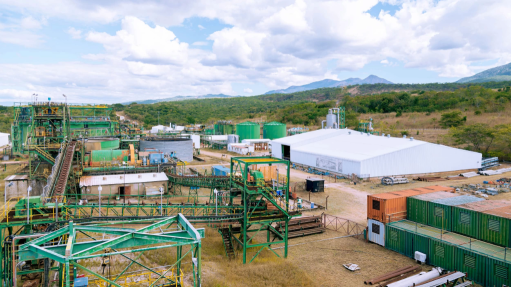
<point>248,130</point>
<point>331,120</point>
<point>182,147</point>
<point>274,130</point>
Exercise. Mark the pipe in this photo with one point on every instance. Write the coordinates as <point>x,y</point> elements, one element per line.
<point>419,278</point>
<point>322,122</point>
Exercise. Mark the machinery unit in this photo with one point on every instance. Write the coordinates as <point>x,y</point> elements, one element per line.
<point>315,185</point>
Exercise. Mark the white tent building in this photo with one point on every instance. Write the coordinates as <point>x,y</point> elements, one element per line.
<point>346,151</point>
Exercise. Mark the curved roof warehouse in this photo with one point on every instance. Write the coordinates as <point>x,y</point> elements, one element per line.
<point>347,151</point>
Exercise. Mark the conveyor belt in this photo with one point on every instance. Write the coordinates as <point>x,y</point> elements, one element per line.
<point>60,185</point>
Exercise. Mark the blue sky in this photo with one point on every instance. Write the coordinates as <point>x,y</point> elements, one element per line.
<point>125,50</point>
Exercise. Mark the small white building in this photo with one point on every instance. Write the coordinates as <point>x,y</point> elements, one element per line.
<point>124,184</point>
<point>5,139</point>
<point>156,129</point>
<point>347,151</point>
<point>240,148</point>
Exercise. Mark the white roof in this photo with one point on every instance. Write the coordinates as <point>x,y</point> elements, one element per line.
<point>348,144</point>
<point>256,141</point>
<point>119,179</point>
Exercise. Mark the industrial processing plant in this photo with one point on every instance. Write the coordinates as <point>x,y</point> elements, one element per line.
<point>88,189</point>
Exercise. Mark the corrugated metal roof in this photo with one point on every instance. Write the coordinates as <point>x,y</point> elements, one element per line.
<point>119,179</point>
<point>435,195</point>
<point>411,192</point>
<point>457,200</point>
<point>502,212</point>
<point>16,177</point>
<point>485,205</point>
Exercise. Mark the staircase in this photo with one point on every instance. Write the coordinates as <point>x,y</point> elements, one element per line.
<point>42,153</point>
<point>227,238</point>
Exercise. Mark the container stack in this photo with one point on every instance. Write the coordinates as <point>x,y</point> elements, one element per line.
<point>453,231</point>
<point>388,207</point>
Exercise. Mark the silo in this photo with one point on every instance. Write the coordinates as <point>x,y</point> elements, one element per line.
<point>274,130</point>
<point>331,120</point>
<point>182,147</point>
<point>248,130</point>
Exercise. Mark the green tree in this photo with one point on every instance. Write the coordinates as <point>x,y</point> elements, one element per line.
<point>479,137</point>
<point>452,119</point>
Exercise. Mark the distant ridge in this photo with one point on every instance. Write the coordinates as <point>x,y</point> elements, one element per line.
<point>497,74</point>
<point>372,79</point>
<point>180,98</point>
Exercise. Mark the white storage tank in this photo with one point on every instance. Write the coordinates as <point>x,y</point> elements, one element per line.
<point>331,120</point>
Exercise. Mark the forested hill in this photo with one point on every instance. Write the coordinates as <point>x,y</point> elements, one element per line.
<point>309,107</point>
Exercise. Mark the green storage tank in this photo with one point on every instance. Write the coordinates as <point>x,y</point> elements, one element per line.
<point>466,218</point>
<point>494,226</point>
<point>417,206</point>
<point>440,210</point>
<point>274,130</point>
<point>248,131</point>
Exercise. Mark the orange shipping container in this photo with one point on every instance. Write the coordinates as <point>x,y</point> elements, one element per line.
<point>391,206</point>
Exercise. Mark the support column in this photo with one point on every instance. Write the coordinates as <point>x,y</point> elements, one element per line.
<point>68,279</point>
<point>178,265</point>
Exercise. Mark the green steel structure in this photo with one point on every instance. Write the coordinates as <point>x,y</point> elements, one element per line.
<point>224,128</point>
<point>248,130</point>
<point>80,244</point>
<point>254,194</point>
<point>274,130</point>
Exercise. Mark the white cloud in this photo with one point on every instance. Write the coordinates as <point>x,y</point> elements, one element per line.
<point>200,43</point>
<point>278,43</point>
<point>248,91</point>
<point>75,34</point>
<point>200,27</point>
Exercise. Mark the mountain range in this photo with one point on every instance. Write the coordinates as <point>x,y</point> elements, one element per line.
<point>180,98</point>
<point>372,79</point>
<point>497,74</point>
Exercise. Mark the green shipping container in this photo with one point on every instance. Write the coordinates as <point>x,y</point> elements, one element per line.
<point>248,130</point>
<point>274,130</point>
<point>466,218</point>
<point>498,273</point>
<point>395,239</point>
<point>440,210</point>
<point>417,242</point>
<point>417,206</point>
<point>471,263</point>
<point>494,228</point>
<point>441,254</point>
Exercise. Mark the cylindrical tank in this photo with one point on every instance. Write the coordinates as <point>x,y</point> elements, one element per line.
<point>101,144</point>
<point>232,139</point>
<point>417,279</point>
<point>248,130</point>
<point>331,120</point>
<point>274,130</point>
<point>182,147</point>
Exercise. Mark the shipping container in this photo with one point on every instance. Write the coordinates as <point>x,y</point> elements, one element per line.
<point>417,206</point>
<point>441,254</point>
<point>494,226</point>
<point>466,218</point>
<point>376,232</point>
<point>395,239</point>
<point>471,263</point>
<point>498,273</point>
<point>391,206</point>
<point>440,210</point>
<point>220,170</point>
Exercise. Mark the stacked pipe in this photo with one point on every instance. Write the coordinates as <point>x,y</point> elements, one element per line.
<point>393,274</point>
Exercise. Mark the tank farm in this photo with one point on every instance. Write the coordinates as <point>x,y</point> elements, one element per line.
<point>109,190</point>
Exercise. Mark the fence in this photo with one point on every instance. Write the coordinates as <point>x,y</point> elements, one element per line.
<point>342,225</point>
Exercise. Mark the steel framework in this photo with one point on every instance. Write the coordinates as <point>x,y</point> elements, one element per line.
<point>121,241</point>
<point>255,193</point>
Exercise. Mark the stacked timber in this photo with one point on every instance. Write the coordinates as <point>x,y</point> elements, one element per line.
<point>302,226</point>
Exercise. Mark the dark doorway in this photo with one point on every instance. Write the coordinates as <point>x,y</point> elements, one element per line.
<point>286,152</point>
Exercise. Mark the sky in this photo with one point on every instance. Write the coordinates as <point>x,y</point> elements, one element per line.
<point>127,50</point>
